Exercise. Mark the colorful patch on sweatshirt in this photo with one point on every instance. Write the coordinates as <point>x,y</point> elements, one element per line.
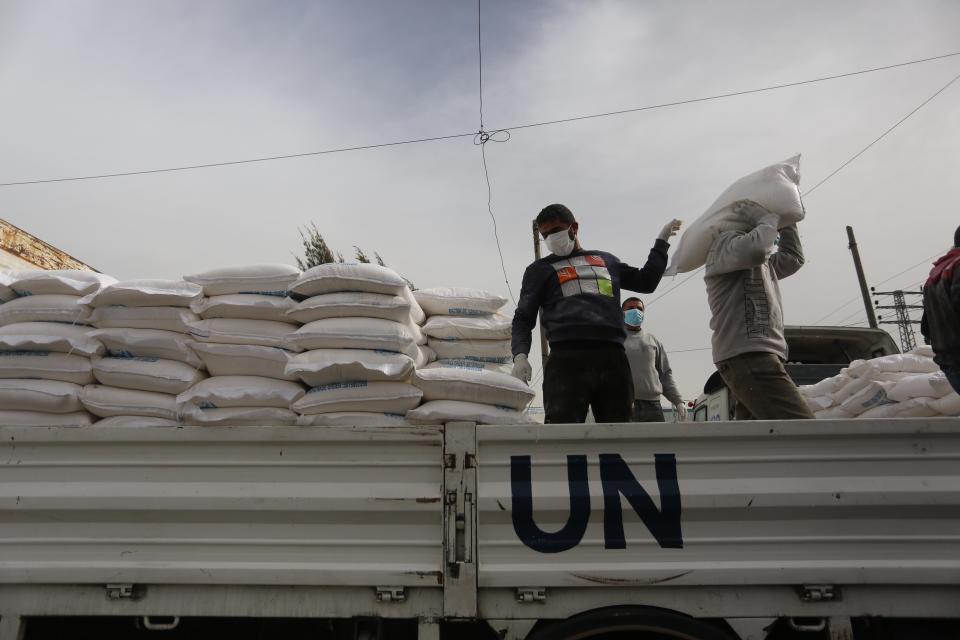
<point>584,274</point>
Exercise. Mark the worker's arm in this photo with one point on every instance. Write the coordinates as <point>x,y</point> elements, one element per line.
<point>646,279</point>
<point>741,251</point>
<point>525,317</point>
<point>955,290</point>
<point>670,390</point>
<point>789,257</point>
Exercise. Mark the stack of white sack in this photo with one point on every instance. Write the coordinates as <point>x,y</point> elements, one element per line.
<point>908,385</point>
<point>243,336</point>
<point>45,351</point>
<point>361,342</point>
<point>470,380</point>
<point>143,324</point>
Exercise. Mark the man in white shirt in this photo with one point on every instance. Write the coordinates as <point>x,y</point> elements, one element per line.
<point>650,368</point>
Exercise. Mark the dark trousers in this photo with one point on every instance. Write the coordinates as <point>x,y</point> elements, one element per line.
<point>953,377</point>
<point>587,376</point>
<point>647,411</point>
<point>762,388</point>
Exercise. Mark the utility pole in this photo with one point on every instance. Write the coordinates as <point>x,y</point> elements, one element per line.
<point>544,347</point>
<point>871,318</point>
<point>908,339</point>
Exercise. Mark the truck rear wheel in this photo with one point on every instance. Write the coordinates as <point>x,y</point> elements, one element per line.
<point>632,624</point>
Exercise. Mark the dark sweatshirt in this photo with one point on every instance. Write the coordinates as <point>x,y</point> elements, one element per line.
<point>941,310</point>
<point>580,296</point>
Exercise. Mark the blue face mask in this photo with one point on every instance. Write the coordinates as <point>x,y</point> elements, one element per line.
<point>633,317</point>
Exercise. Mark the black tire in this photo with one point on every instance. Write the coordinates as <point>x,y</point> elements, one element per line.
<point>634,623</point>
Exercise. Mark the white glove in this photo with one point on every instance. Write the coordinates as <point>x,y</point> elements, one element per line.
<point>680,411</point>
<point>755,214</point>
<point>670,229</point>
<point>521,368</point>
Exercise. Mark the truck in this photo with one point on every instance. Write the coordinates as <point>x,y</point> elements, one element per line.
<point>846,529</point>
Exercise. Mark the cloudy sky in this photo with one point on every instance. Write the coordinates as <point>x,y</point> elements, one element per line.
<point>101,87</point>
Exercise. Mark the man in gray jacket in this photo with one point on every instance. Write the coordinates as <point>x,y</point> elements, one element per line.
<point>743,271</point>
<point>650,368</point>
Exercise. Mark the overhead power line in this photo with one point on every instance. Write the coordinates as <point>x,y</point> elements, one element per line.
<point>473,134</point>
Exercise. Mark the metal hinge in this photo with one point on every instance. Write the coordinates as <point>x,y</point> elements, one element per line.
<point>818,593</point>
<point>391,594</point>
<point>531,594</point>
<point>122,592</point>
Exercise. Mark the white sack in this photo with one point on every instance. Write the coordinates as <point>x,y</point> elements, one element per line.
<point>352,304</point>
<point>854,385</point>
<point>913,408</point>
<point>356,333</point>
<point>775,187</point>
<point>136,421</point>
<point>58,337</point>
<point>497,351</point>
<point>109,401</point>
<point>439,411</point>
<point>473,385</point>
<point>470,364</point>
<point>824,387</point>
<point>6,293</point>
<point>42,419</point>
<point>265,333</point>
<point>146,374</point>
<point>244,360</point>
<point>897,362</point>
<point>923,385</point>
<point>148,343</point>
<point>50,396</point>
<point>342,276</point>
<point>44,308</point>
<point>416,311</point>
<point>239,416</point>
<point>268,279</point>
<point>145,293</point>
<point>359,395</point>
<point>323,366</point>
<point>491,327</point>
<point>71,282</point>
<point>161,318</point>
<point>244,306</point>
<point>46,366</point>
<point>221,392</point>
<point>874,394</point>
<point>948,405</point>
<point>924,351</point>
<point>458,301</point>
<point>352,419</point>
<point>818,403</point>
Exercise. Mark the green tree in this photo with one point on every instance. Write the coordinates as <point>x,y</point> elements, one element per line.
<point>315,249</point>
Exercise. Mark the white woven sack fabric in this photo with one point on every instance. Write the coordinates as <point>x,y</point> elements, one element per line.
<point>71,282</point>
<point>268,279</point>
<point>160,318</point>
<point>323,366</point>
<point>473,385</point>
<point>818,403</point>
<point>43,419</point>
<point>265,333</point>
<point>853,386</point>
<point>351,304</point>
<point>897,362</point>
<point>776,187</point>
<point>356,333</point>
<point>491,327</point>
<point>148,343</point>
<point>924,351</point>
<point>425,356</point>
<point>459,363</point>
<point>824,387</point>
<point>135,421</point>
<point>244,360</point>
<point>245,306</point>
<point>221,392</point>
<point>416,311</point>
<point>345,276</point>
<point>458,301</point>
<point>238,416</point>
<point>44,308</point>
<point>913,408</point>
<point>51,396</point>
<point>874,394</point>
<point>923,385</point>
<point>948,405</point>
<point>145,293</point>
<point>6,293</point>
<point>496,351</point>
<point>440,411</point>
<point>359,395</point>
<point>46,365</point>
<point>106,402</point>
<point>352,419</point>
<point>58,337</point>
<point>146,374</point>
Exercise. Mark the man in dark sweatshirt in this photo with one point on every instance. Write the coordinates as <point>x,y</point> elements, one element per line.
<point>577,293</point>
<point>941,312</point>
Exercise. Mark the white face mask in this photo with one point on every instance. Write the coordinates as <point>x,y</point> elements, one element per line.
<point>560,243</point>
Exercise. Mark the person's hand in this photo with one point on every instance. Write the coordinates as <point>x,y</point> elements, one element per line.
<point>755,214</point>
<point>670,230</point>
<point>680,411</point>
<point>521,368</point>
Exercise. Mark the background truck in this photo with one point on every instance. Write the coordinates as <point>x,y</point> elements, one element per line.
<point>833,529</point>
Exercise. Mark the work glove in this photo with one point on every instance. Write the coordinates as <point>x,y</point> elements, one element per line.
<point>755,214</point>
<point>670,230</point>
<point>521,368</point>
<point>680,411</point>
